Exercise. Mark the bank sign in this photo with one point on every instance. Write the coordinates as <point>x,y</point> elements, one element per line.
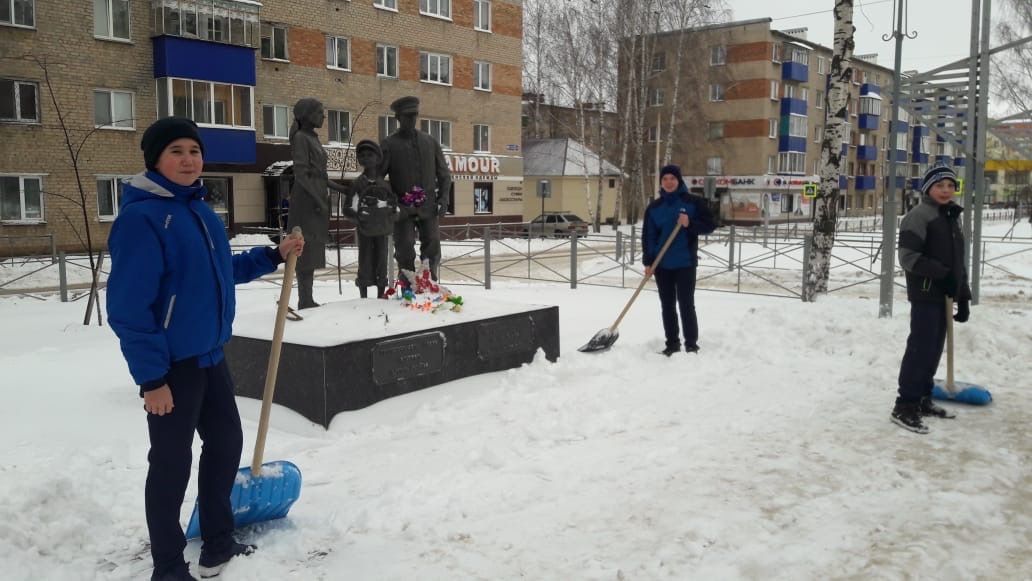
<point>752,182</point>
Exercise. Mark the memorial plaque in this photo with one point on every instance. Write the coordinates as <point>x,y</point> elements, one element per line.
<point>513,335</point>
<point>400,359</point>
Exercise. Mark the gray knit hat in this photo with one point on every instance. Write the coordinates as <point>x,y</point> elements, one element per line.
<point>937,174</point>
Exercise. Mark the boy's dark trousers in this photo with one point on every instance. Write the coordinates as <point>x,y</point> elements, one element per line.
<point>372,261</point>
<point>924,349</point>
<point>677,290</point>
<point>203,401</point>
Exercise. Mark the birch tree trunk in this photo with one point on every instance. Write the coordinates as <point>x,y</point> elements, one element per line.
<point>826,203</point>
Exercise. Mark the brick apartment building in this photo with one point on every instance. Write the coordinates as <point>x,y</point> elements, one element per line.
<point>760,98</point>
<point>237,67</point>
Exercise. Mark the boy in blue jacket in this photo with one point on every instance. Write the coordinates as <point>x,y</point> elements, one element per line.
<point>675,274</point>
<point>171,302</point>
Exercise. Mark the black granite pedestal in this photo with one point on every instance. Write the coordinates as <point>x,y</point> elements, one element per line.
<point>320,381</point>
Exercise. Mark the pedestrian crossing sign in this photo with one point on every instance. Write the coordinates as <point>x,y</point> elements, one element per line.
<point>810,190</point>
<point>960,186</point>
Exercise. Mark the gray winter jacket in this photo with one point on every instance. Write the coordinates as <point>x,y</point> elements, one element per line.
<point>931,252</point>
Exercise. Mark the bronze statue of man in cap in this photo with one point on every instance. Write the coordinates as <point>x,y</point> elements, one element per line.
<point>414,161</point>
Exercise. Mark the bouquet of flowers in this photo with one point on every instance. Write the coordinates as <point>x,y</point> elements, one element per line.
<point>413,198</point>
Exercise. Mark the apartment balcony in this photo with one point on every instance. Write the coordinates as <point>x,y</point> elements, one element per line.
<point>793,71</point>
<point>223,21</point>
<point>866,153</point>
<point>868,122</point>
<point>864,182</point>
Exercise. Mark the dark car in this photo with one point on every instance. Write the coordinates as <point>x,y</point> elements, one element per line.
<point>556,225</point>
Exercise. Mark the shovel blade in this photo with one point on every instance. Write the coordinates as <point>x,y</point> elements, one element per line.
<point>963,392</point>
<point>602,341</point>
<point>255,499</point>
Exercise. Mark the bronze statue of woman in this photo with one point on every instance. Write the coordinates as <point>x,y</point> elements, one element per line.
<point>309,199</point>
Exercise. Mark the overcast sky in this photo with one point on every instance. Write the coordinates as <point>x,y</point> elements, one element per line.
<point>943,26</point>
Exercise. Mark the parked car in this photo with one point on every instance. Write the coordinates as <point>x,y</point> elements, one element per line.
<point>556,225</point>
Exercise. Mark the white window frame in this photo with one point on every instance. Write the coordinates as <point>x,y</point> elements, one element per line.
<point>332,127</point>
<point>798,126</point>
<point>382,51</point>
<point>272,29</point>
<point>111,110</point>
<point>790,91</point>
<point>820,65</point>
<point>481,138</point>
<point>792,162</point>
<point>718,55</point>
<point>819,98</point>
<point>654,134</point>
<point>716,93</point>
<point>772,128</point>
<point>286,117</point>
<point>714,166</point>
<point>801,56</point>
<point>116,194</point>
<point>775,52</point>
<point>658,61</point>
<point>870,105</point>
<point>715,130</point>
<point>775,91</point>
<point>818,133</point>
<point>110,33</point>
<point>21,199</point>
<point>656,97</point>
<point>386,125</point>
<point>435,128</point>
<point>230,114</point>
<point>333,53</point>
<point>436,9</point>
<point>11,22</point>
<point>479,76</point>
<point>772,164</point>
<point>15,83</point>
<point>478,208</point>
<point>391,5</point>
<point>437,59</point>
<point>481,12</point>
<point>804,94</point>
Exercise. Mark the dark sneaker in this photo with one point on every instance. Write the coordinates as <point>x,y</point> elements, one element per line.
<point>907,415</point>
<point>691,349</point>
<point>670,351</point>
<point>928,408</point>
<point>180,574</point>
<point>211,565</point>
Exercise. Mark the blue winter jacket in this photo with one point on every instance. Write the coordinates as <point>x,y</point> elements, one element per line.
<point>660,219</point>
<point>170,294</point>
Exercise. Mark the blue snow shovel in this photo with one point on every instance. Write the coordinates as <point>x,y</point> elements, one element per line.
<point>264,492</point>
<point>958,391</point>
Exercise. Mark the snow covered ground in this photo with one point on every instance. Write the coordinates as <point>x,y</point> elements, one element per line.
<point>769,455</point>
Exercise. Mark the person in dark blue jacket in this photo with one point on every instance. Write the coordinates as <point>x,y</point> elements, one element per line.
<point>675,274</point>
<point>171,302</point>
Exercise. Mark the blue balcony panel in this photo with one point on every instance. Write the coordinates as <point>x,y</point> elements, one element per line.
<point>190,58</point>
<point>868,121</point>
<point>870,89</point>
<point>228,145</point>
<point>915,183</point>
<point>866,153</point>
<point>793,71</point>
<point>921,131</point>
<point>959,161</point>
<point>864,182</point>
<point>843,182</point>
<point>899,127</point>
<point>944,160</point>
<point>901,155</point>
<point>793,106</point>
<point>919,158</point>
<point>789,143</point>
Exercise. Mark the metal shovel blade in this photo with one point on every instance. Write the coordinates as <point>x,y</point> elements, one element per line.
<point>260,498</point>
<point>602,341</point>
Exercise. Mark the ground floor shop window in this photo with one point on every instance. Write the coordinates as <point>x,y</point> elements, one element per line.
<point>220,191</point>
<point>483,202</point>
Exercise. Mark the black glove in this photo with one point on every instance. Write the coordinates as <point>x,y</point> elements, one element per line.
<point>963,312</point>
<point>949,284</point>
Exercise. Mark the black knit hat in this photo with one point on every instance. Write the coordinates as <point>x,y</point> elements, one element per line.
<point>164,131</point>
<point>937,174</point>
<point>672,170</point>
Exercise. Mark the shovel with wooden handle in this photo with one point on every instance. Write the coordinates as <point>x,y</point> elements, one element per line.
<point>266,491</point>
<point>605,338</point>
<point>957,391</point>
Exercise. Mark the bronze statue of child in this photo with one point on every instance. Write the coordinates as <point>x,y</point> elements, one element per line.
<point>374,207</point>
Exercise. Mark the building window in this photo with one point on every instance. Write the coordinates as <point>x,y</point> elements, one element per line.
<point>481,138</point>
<point>772,164</point>
<point>435,68</point>
<point>275,121</point>
<point>109,195</point>
<point>801,56</point>
<point>797,126</point>
<point>870,106</point>
<point>274,42</point>
<point>820,65</point>
<point>655,97</point>
<point>483,202</point>
<point>439,130</point>
<point>658,62</point>
<point>338,53</point>
<point>113,109</point>
<point>386,4</point>
<point>21,198</point>
<point>716,92</point>
<point>110,19</point>
<point>387,61</point>
<point>792,162</point>
<point>207,103</point>
<point>18,12</point>
<point>19,101</point>
<point>818,134</point>
<point>218,197</point>
<point>482,15</point>
<point>612,182</point>
<point>804,94</point>
<point>654,134</point>
<point>438,8</point>
<point>775,52</point>
<point>387,125</point>
<point>820,99</point>
<point>790,91</point>
<point>482,76</point>
<point>339,126</point>
<point>774,96</point>
<point>718,55</point>
<point>715,130</point>
<point>217,21</point>
<point>714,166</point>
<point>772,128</point>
